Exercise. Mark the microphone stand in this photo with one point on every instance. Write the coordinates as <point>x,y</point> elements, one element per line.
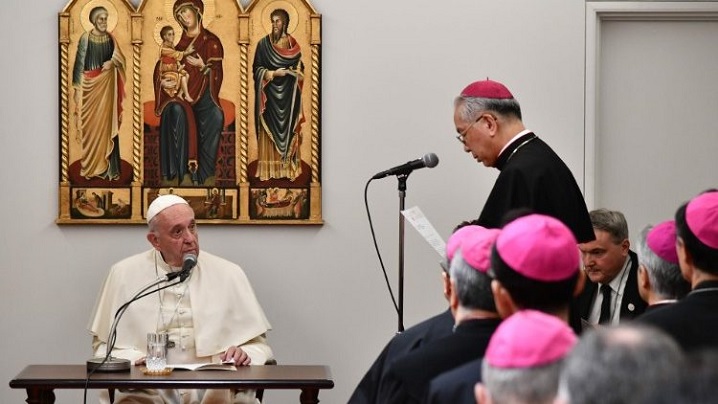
<point>402,196</point>
<point>109,363</point>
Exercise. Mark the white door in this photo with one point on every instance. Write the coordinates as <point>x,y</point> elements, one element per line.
<point>652,109</point>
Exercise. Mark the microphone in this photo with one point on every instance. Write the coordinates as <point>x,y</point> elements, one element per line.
<point>189,260</point>
<point>429,160</point>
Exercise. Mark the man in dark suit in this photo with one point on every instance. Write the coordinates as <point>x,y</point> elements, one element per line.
<point>611,291</point>
<point>693,321</point>
<point>476,319</point>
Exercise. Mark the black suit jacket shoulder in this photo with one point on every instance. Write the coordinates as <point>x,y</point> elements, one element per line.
<point>407,380</point>
<point>534,177</point>
<point>693,320</point>
<point>456,386</point>
<point>412,338</point>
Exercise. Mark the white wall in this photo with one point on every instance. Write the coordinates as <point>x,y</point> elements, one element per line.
<point>390,72</point>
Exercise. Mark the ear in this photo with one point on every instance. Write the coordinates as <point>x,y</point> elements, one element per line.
<point>580,283</point>
<point>481,394</point>
<point>154,240</point>
<point>453,298</point>
<point>643,280</point>
<point>505,305</point>
<point>625,246</point>
<point>491,124</point>
<point>447,284</point>
<point>685,260</point>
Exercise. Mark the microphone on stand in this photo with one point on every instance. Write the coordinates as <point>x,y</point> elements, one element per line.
<point>429,160</point>
<point>402,173</point>
<point>108,363</point>
<point>189,260</point>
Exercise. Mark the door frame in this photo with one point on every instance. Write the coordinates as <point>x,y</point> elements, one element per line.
<point>596,13</point>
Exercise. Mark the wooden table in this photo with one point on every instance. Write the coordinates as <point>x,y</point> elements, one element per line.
<point>40,380</point>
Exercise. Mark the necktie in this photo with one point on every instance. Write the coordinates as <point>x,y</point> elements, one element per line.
<point>605,316</point>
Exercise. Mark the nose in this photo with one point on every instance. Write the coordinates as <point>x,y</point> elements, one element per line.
<point>189,236</point>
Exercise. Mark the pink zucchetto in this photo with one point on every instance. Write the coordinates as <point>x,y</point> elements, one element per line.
<point>163,202</point>
<point>476,249</point>
<point>661,239</point>
<point>458,237</point>
<point>539,247</point>
<point>529,338</point>
<point>702,218</point>
<point>487,89</point>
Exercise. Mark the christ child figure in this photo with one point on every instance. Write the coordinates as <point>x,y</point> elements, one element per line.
<point>171,68</point>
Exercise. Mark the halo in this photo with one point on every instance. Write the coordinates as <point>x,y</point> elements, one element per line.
<point>111,15</point>
<point>288,7</point>
<point>158,28</point>
<point>207,17</point>
<point>210,12</point>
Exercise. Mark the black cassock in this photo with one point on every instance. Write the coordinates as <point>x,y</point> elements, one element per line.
<point>534,177</point>
<point>407,379</point>
<point>413,338</point>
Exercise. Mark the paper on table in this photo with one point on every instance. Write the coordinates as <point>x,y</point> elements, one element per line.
<point>204,366</point>
<point>417,219</point>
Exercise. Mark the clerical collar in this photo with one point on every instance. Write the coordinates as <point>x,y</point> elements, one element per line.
<point>163,265</point>
<point>473,323</point>
<point>518,141</point>
<point>705,286</point>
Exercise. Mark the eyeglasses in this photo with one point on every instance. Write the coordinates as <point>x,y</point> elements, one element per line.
<point>461,137</point>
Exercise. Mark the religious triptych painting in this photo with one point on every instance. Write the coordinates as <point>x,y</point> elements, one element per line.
<point>210,100</point>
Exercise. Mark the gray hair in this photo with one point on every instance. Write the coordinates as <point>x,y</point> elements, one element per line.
<point>473,288</point>
<point>612,222</point>
<point>470,107</point>
<point>699,378</point>
<point>666,278</point>
<point>534,385</point>
<point>621,364</point>
<point>152,225</point>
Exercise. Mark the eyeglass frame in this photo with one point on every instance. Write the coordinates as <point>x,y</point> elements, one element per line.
<point>461,137</point>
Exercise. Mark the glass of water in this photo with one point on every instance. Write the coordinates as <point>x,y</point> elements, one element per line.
<point>156,351</point>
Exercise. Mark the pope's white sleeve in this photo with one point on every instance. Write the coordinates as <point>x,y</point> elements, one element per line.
<point>258,350</point>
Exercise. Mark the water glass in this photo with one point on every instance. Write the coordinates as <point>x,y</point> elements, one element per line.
<point>156,351</point>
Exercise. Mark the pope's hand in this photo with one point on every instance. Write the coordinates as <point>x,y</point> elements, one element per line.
<point>236,355</point>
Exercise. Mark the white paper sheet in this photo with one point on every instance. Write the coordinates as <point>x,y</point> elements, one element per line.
<point>416,217</point>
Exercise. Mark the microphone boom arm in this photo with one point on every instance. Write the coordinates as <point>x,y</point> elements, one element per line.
<point>117,364</point>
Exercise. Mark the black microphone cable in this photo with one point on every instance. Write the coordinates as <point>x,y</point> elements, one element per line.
<point>376,246</point>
